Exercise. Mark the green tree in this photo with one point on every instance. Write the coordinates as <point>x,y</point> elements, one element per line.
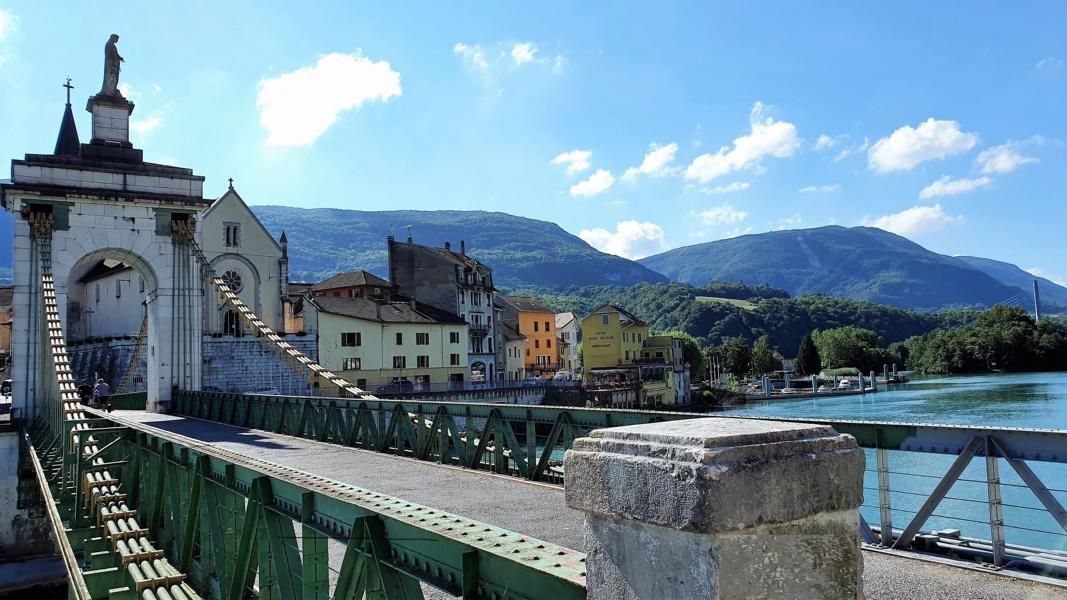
<point>850,347</point>
<point>763,359</point>
<point>808,361</point>
<point>736,356</point>
<point>694,354</point>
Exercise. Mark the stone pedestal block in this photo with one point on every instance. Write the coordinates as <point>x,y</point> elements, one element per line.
<point>719,508</point>
<point>111,120</point>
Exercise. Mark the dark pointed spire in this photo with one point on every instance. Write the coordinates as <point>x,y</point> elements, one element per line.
<point>68,144</point>
<point>283,239</point>
<point>285,245</point>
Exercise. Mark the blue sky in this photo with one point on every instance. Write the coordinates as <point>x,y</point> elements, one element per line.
<point>640,126</point>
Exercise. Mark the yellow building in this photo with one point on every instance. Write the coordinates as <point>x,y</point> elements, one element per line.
<point>389,346</point>
<point>611,336</point>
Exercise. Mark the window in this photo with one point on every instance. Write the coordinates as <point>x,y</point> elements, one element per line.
<point>141,287</point>
<point>453,337</point>
<point>422,339</point>
<point>232,279</point>
<point>98,292</point>
<point>462,297</point>
<point>476,298</point>
<point>627,355</point>
<point>422,361</point>
<point>547,328</point>
<point>548,343</point>
<point>639,338</point>
<point>350,364</point>
<point>118,289</point>
<point>399,338</point>
<point>490,343</point>
<point>624,338</point>
<point>535,325</point>
<point>537,343</point>
<point>527,352</point>
<point>603,319</point>
<point>400,362</point>
<point>453,359</point>
<point>233,235</point>
<point>352,339</point>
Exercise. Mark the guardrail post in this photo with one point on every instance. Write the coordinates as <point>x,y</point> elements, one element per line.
<point>719,508</point>
<point>996,509</point>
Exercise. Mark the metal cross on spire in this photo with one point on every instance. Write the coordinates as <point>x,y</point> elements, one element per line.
<point>231,183</point>
<point>69,88</point>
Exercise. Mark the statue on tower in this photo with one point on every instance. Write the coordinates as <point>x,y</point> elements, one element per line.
<point>112,66</point>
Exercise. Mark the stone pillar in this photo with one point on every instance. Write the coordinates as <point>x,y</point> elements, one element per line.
<point>719,509</point>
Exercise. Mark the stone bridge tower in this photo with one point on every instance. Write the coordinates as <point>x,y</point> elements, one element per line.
<point>106,204</point>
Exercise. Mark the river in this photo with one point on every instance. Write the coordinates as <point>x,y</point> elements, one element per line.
<point>1036,400</point>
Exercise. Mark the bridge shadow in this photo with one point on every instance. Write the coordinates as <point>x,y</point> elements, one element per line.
<point>217,433</point>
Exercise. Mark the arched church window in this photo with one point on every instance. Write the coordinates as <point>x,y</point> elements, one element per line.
<point>232,279</point>
<point>231,325</point>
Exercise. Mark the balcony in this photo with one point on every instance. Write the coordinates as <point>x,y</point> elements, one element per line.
<point>541,367</point>
<point>479,328</point>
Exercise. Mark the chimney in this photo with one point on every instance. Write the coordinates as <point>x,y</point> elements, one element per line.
<point>463,248</point>
<point>448,245</point>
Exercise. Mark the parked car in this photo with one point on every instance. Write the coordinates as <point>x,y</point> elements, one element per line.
<point>563,376</point>
<point>5,397</point>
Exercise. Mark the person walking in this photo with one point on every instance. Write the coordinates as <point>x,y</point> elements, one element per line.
<point>102,393</point>
<point>85,392</point>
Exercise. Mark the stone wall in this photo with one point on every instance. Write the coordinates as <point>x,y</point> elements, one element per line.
<point>229,364</point>
<point>24,529</point>
<point>243,365</point>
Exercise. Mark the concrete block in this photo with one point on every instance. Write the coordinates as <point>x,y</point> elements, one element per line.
<point>719,508</point>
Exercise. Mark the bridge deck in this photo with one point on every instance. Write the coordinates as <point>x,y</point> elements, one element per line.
<point>539,510</point>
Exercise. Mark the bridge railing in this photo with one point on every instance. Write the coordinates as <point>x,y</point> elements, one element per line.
<point>231,520</point>
<point>918,475</point>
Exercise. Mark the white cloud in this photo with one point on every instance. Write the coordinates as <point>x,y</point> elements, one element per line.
<point>729,188</point>
<point>631,239</point>
<point>523,53</point>
<point>1039,272</point>
<point>7,23</point>
<point>907,146</point>
<point>766,138</point>
<point>600,181</point>
<point>473,56</point>
<point>147,125</point>
<point>853,149</point>
<point>793,221</point>
<point>1049,62</point>
<point>917,220</point>
<point>298,107</point>
<point>721,215</point>
<point>655,164</point>
<point>947,186</point>
<point>736,232</point>
<point>560,64</point>
<point>576,160</point>
<point>824,142</point>
<point>820,188</point>
<point>1004,158</point>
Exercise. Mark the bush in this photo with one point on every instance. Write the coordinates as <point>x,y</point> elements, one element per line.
<point>839,372</point>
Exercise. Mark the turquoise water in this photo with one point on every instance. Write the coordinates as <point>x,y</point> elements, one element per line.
<point>1003,400</point>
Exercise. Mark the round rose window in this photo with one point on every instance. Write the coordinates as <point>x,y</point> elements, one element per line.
<point>233,280</point>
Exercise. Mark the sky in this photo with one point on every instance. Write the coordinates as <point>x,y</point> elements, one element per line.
<point>637,126</point>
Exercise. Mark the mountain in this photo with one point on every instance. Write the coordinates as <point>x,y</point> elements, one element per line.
<point>1052,294</point>
<point>861,263</point>
<point>521,251</point>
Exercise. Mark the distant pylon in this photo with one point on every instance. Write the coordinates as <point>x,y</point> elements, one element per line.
<point>1037,304</point>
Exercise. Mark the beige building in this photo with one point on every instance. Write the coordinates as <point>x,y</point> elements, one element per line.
<point>514,365</point>
<point>567,330</point>
<point>249,259</point>
<point>389,346</point>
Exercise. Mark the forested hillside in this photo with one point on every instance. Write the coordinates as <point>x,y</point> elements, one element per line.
<point>784,320</point>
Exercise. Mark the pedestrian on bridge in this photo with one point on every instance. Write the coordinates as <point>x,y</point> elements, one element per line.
<point>102,394</point>
<point>85,392</point>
